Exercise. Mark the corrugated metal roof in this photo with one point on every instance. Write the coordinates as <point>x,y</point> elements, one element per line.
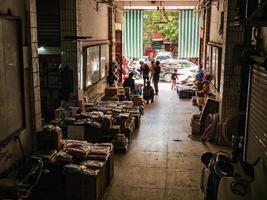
<point>188,39</point>
<point>133,33</point>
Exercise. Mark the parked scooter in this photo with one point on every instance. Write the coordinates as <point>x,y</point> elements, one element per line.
<point>29,176</point>
<point>223,179</point>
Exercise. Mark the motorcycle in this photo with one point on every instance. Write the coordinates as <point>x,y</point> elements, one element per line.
<point>21,187</point>
<point>224,179</point>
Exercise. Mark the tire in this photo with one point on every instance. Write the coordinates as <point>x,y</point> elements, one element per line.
<point>167,77</point>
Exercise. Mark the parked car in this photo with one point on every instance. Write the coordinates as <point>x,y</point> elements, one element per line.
<point>185,69</point>
<point>164,56</point>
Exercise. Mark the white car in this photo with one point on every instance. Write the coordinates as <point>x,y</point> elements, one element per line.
<point>185,69</point>
<point>164,56</point>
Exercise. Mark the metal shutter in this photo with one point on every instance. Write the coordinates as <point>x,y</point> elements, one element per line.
<point>133,33</point>
<point>188,39</point>
<point>256,137</point>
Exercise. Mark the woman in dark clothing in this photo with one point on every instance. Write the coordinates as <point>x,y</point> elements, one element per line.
<point>129,82</point>
<point>112,76</point>
<point>156,77</point>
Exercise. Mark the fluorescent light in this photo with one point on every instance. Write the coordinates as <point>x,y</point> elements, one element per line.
<point>41,48</point>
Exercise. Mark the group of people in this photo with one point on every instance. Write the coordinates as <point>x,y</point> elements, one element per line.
<point>149,73</point>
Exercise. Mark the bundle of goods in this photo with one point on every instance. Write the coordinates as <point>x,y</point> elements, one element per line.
<point>128,93</point>
<point>97,124</point>
<point>125,104</point>
<point>121,93</point>
<point>66,111</point>
<point>82,170</point>
<point>120,142</point>
<point>92,100</point>
<point>135,111</point>
<point>112,98</point>
<point>78,128</point>
<point>111,93</point>
<point>49,138</point>
<point>129,129</point>
<point>63,124</point>
<point>77,151</point>
<point>99,151</point>
<point>123,119</point>
<point>185,91</point>
<point>62,158</point>
<point>124,108</point>
<point>138,101</point>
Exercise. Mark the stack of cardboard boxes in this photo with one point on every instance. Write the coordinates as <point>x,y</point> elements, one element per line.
<point>96,124</point>
<point>78,170</point>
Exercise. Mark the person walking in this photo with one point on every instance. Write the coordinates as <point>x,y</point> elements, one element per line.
<point>144,71</point>
<point>156,77</point>
<point>152,66</point>
<point>173,79</point>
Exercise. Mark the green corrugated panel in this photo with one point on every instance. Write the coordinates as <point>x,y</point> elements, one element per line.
<point>188,39</point>
<point>133,33</point>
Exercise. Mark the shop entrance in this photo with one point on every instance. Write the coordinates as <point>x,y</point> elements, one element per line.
<point>170,36</point>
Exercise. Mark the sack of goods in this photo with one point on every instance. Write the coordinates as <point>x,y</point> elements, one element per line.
<point>49,138</point>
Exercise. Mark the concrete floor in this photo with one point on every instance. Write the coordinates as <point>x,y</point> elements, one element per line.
<point>156,167</point>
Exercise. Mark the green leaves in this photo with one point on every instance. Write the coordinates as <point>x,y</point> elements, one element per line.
<point>164,22</point>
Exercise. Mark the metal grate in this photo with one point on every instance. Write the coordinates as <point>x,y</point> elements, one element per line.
<point>48,23</point>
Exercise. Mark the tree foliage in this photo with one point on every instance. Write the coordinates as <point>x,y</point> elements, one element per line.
<point>164,22</point>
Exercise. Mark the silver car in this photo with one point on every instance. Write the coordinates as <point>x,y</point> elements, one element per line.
<point>185,69</point>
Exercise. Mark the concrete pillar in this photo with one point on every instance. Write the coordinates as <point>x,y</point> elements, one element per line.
<point>111,33</point>
<point>32,43</point>
<point>207,15</point>
<point>231,69</point>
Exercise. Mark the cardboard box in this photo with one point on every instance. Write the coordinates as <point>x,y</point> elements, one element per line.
<point>111,91</point>
<point>87,187</point>
<point>76,132</point>
<point>115,130</point>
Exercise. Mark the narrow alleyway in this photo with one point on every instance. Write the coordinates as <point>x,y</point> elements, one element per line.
<point>162,162</point>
